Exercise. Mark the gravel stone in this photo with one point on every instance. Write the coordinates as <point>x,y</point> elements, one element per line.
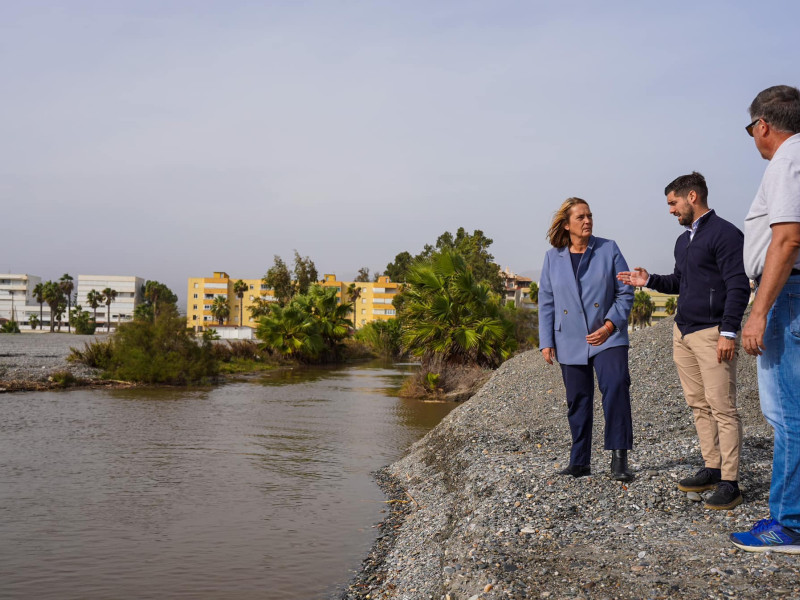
<point>486,496</point>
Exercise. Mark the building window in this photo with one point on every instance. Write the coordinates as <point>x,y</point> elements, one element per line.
<point>195,296</point>
<point>194,306</point>
<point>251,287</point>
<point>194,317</point>
<point>196,286</point>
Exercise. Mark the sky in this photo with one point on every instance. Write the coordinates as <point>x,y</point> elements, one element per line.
<point>170,139</point>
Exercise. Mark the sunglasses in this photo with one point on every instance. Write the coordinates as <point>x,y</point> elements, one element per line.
<point>749,128</point>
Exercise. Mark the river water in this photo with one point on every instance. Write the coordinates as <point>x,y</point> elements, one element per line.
<point>254,489</point>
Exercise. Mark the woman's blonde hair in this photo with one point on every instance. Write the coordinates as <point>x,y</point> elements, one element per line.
<point>557,235</point>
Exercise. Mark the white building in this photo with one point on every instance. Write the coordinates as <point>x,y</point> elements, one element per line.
<point>16,298</point>
<point>129,296</point>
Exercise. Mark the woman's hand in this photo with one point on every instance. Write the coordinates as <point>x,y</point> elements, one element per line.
<point>549,354</point>
<point>599,336</point>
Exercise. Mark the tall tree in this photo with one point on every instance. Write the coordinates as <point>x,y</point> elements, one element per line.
<point>66,283</point>
<point>473,247</point>
<point>397,269</point>
<point>53,296</point>
<point>279,281</point>
<point>109,295</point>
<point>239,288</point>
<point>363,274</point>
<point>534,292</point>
<point>353,294</point>
<point>155,293</point>
<point>305,273</point>
<point>220,309</point>
<point>642,309</point>
<point>38,295</point>
<point>670,306</point>
<point>94,299</point>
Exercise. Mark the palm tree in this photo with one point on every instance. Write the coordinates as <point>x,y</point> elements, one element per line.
<point>642,309</point>
<point>220,309</point>
<point>52,294</point>
<point>95,299</point>
<point>533,293</point>
<point>331,316</point>
<point>670,306</point>
<point>448,317</point>
<point>38,295</point>
<point>109,296</point>
<point>353,294</point>
<point>291,331</point>
<point>239,288</point>
<point>66,283</point>
<point>34,321</point>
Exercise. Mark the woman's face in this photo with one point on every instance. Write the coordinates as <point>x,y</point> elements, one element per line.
<point>579,223</point>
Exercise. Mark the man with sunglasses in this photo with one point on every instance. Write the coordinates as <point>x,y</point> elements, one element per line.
<point>772,259</point>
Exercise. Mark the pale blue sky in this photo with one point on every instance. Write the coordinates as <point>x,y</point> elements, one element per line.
<point>171,139</point>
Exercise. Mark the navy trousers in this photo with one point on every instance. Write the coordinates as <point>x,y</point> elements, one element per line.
<point>614,382</point>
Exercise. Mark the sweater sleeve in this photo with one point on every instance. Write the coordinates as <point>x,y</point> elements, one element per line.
<point>667,284</point>
<point>730,261</point>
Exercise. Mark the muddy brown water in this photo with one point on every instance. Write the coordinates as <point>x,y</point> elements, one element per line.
<point>254,489</point>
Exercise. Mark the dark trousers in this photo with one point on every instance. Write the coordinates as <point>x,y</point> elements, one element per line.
<point>614,382</point>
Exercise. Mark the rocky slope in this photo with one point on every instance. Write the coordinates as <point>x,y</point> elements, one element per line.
<point>485,516</point>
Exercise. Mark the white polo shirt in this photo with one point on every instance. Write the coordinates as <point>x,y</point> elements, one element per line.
<point>777,201</point>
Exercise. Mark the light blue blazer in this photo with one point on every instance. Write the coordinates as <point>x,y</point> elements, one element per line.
<point>570,308</point>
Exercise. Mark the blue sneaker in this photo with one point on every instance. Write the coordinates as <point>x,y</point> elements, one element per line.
<point>768,534</point>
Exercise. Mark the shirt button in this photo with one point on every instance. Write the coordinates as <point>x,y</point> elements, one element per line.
<point>565,311</point>
<point>597,305</point>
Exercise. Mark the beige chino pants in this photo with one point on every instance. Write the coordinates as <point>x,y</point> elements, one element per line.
<point>710,391</point>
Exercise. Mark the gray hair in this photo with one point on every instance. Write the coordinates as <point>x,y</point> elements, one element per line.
<point>779,106</point>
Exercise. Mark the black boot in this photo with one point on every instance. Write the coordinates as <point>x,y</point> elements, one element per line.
<point>576,470</point>
<point>619,466</point>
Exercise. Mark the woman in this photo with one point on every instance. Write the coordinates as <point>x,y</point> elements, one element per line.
<point>583,323</point>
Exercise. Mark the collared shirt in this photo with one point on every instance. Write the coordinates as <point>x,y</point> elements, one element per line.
<point>693,227</point>
<point>777,201</point>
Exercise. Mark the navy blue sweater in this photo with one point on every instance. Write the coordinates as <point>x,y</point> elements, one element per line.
<point>709,276</point>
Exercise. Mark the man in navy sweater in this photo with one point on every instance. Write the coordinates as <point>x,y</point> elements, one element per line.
<point>714,290</point>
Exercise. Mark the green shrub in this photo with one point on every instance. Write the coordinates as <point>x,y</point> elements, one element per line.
<point>158,351</point>
<point>63,379</point>
<point>9,327</point>
<point>382,337</point>
<point>96,355</point>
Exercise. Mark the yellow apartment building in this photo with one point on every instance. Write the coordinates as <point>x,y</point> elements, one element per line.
<point>203,290</point>
<point>659,300</point>
<point>374,301</point>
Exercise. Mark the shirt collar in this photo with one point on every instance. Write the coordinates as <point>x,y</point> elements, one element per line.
<point>693,226</point>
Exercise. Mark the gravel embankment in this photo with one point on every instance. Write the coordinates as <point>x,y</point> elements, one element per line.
<point>27,360</point>
<point>490,519</point>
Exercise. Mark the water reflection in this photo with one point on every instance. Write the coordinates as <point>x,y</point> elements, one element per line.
<point>252,489</point>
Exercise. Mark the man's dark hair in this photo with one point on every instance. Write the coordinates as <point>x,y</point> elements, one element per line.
<point>684,184</point>
<point>779,106</point>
